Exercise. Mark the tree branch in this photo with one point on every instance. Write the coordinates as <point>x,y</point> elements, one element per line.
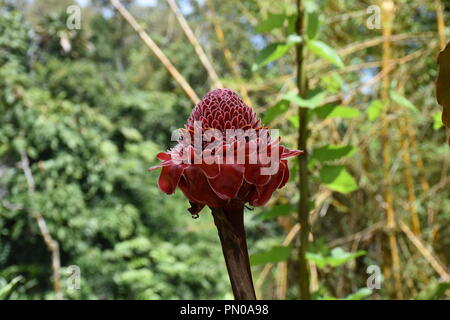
<point>51,243</point>
<point>157,51</point>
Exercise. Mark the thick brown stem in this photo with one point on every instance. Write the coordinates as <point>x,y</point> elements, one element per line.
<point>230,225</point>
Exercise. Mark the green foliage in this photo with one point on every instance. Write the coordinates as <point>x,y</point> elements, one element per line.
<point>273,255</point>
<point>314,99</point>
<point>312,25</point>
<point>90,140</point>
<point>325,51</point>
<point>434,291</point>
<point>92,118</point>
<point>437,120</point>
<point>374,109</point>
<point>272,52</point>
<point>338,179</point>
<point>336,112</point>
<point>273,21</point>
<point>277,211</point>
<point>335,258</point>
<point>401,100</point>
<point>332,152</point>
<point>358,295</point>
<point>6,289</point>
<point>273,112</point>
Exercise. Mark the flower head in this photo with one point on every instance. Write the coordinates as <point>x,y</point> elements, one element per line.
<point>224,157</point>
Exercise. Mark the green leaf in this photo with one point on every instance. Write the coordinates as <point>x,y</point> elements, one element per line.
<point>329,111</point>
<point>434,291</point>
<point>272,52</point>
<point>6,291</point>
<point>374,109</point>
<point>401,100</point>
<point>294,39</point>
<point>332,82</point>
<point>281,107</point>
<point>292,21</point>
<point>273,21</point>
<point>131,134</point>
<point>312,25</point>
<point>274,255</point>
<point>336,258</point>
<point>360,294</point>
<point>339,256</point>
<point>437,117</point>
<point>318,259</point>
<point>337,178</point>
<point>277,211</point>
<point>325,51</point>
<point>332,152</point>
<point>294,120</point>
<point>310,5</point>
<point>310,103</point>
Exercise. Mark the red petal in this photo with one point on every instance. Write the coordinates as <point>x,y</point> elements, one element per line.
<point>267,190</point>
<point>286,173</point>
<point>228,183</point>
<point>286,153</point>
<point>163,156</point>
<point>196,188</point>
<point>253,175</point>
<point>211,170</point>
<point>169,178</point>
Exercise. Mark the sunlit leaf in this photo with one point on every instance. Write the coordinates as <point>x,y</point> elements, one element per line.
<point>312,25</point>
<point>434,291</point>
<point>330,111</point>
<point>294,120</point>
<point>332,152</point>
<point>294,39</point>
<point>273,52</point>
<point>310,5</point>
<point>401,100</point>
<point>131,134</point>
<point>374,109</point>
<point>360,294</point>
<point>310,103</point>
<point>437,117</point>
<point>325,51</point>
<point>273,21</point>
<point>6,291</point>
<point>338,179</point>
<point>337,257</point>
<point>332,82</point>
<point>281,107</point>
<point>274,255</point>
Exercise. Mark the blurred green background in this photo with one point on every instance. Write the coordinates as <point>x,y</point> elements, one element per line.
<point>83,113</point>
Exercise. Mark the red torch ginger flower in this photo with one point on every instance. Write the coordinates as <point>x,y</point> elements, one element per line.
<point>224,156</point>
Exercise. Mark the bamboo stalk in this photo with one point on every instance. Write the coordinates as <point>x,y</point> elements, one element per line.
<point>426,253</point>
<point>157,51</point>
<point>290,236</point>
<point>405,146</point>
<point>303,214</point>
<point>196,44</point>
<point>388,8</point>
<point>440,23</point>
<point>52,244</point>
<point>227,54</point>
<point>230,225</point>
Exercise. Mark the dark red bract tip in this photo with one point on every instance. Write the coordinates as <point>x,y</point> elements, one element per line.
<point>223,109</point>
